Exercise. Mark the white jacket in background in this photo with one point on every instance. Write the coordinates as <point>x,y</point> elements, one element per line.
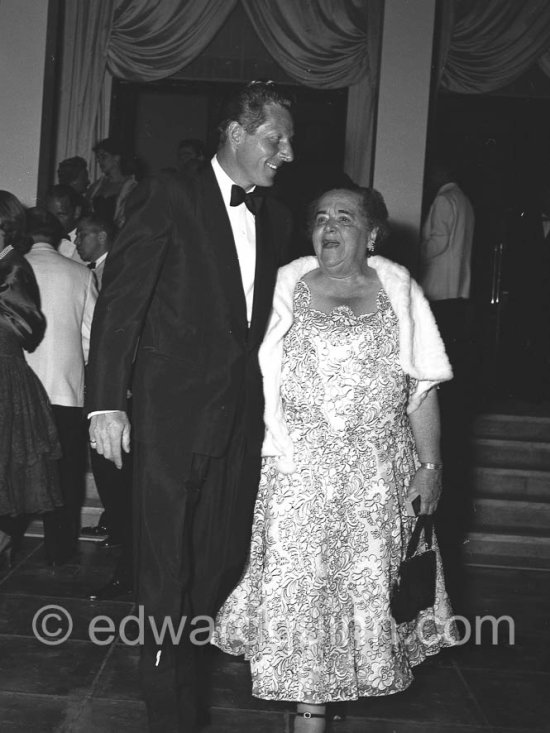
<point>446,248</point>
<point>68,294</point>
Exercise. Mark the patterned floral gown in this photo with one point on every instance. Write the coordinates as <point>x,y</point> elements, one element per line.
<point>311,611</point>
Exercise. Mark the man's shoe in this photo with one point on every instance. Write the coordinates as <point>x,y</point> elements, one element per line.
<point>98,531</point>
<point>109,543</point>
<point>61,555</point>
<point>115,589</point>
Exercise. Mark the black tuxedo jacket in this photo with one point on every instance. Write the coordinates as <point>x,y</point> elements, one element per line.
<point>171,317</point>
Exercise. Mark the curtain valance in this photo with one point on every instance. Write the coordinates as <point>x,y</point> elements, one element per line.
<point>320,43</point>
<point>484,46</point>
<point>153,39</point>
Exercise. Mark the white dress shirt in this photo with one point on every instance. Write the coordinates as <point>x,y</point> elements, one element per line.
<point>243,226</point>
<point>98,269</point>
<point>68,294</point>
<point>67,248</point>
<point>446,247</point>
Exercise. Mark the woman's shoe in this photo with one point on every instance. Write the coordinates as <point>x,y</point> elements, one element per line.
<point>309,721</point>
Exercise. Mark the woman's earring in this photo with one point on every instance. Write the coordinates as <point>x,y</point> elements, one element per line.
<point>370,246</point>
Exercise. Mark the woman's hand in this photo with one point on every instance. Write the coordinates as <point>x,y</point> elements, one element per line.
<point>427,484</point>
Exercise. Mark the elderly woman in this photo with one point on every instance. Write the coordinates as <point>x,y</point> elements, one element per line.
<point>350,360</point>
<point>28,438</point>
<point>108,195</point>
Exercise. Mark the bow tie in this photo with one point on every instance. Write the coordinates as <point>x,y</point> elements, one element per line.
<point>251,200</point>
<point>91,265</point>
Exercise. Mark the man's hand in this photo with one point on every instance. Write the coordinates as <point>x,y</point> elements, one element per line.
<point>110,434</point>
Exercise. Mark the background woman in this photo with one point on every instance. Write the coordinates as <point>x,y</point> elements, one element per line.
<point>349,362</point>
<point>28,439</point>
<point>108,195</point>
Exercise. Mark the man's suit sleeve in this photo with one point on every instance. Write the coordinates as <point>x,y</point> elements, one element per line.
<point>129,280</point>
<point>284,234</point>
<point>88,314</point>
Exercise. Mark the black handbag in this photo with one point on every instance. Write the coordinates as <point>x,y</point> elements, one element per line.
<point>414,589</point>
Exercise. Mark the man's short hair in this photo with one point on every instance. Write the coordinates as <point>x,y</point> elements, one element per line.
<point>70,168</point>
<point>247,106</point>
<point>101,223</point>
<point>62,191</point>
<point>41,225</point>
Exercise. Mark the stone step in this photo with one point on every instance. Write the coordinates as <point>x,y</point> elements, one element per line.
<point>508,550</point>
<point>512,427</point>
<point>523,454</point>
<point>511,483</point>
<point>503,516</point>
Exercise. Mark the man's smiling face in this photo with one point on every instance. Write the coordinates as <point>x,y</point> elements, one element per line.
<point>260,154</point>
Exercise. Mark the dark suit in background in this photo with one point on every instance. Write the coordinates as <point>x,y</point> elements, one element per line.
<point>526,281</point>
<point>172,313</point>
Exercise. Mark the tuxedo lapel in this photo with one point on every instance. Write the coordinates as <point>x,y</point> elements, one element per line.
<point>221,244</point>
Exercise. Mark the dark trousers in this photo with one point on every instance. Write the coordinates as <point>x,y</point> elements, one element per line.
<point>191,545</point>
<point>62,526</point>
<point>14,526</point>
<point>114,487</point>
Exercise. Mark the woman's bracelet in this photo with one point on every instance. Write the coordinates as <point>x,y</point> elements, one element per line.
<point>432,466</point>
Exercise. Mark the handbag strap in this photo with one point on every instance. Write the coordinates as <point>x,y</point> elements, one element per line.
<point>424,522</point>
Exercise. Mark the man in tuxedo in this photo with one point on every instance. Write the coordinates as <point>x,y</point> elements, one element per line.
<point>186,296</point>
<point>66,205</point>
<point>94,237</point>
<point>93,240</point>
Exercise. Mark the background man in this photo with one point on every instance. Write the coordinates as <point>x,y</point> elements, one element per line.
<point>186,296</point>
<point>93,240</point>
<point>66,205</point>
<point>445,275</point>
<point>447,238</point>
<point>68,295</point>
<point>191,156</point>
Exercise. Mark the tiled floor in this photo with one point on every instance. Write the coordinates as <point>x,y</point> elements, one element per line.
<point>81,687</point>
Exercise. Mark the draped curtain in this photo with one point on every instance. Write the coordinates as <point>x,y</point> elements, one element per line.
<point>484,46</point>
<point>481,46</point>
<point>84,86</point>
<point>327,44</point>
<point>320,43</point>
<point>152,39</point>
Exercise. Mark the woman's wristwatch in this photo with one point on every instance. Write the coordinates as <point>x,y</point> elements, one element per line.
<point>432,466</point>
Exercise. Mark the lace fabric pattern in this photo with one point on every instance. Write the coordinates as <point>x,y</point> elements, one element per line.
<point>311,612</point>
